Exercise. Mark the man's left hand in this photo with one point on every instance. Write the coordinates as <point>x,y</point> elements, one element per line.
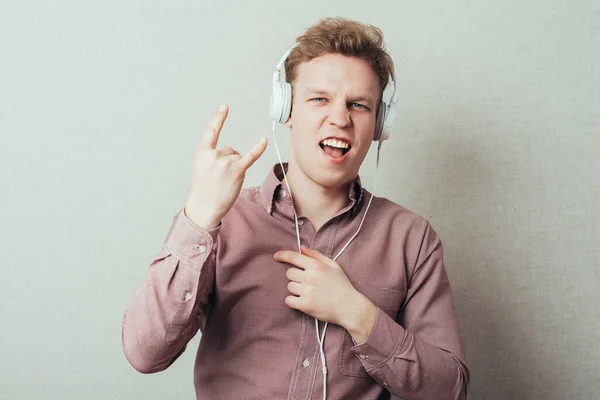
<point>320,288</point>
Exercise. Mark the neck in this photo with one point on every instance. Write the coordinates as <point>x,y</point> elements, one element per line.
<point>313,201</point>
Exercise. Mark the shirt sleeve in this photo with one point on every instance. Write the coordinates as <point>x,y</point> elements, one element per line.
<point>172,302</point>
<point>421,355</point>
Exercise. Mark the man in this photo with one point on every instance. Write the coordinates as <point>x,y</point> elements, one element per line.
<point>228,267</point>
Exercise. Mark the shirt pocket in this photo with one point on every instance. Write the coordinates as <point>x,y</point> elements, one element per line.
<point>388,300</point>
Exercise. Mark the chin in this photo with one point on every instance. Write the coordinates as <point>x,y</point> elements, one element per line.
<point>331,179</point>
<point>322,173</point>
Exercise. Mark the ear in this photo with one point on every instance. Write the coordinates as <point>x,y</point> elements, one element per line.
<point>288,123</point>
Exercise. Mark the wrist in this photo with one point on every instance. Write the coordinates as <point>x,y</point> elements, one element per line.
<point>205,222</point>
<point>361,319</point>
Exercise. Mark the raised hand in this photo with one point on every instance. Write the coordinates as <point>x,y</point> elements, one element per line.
<point>218,175</point>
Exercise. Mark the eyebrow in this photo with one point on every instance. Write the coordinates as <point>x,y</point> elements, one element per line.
<point>368,99</point>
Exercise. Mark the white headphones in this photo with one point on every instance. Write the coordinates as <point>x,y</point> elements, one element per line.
<point>281,103</point>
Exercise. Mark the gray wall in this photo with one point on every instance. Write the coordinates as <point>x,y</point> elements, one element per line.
<point>497,143</point>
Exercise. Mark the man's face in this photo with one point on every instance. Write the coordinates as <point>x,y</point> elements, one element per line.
<point>333,118</point>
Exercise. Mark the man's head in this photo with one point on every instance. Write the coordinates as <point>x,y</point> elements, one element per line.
<point>345,37</point>
<point>338,72</point>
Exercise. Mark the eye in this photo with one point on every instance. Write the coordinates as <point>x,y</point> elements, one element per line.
<point>318,99</point>
<point>359,106</point>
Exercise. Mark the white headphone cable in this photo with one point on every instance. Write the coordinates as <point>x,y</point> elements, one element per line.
<point>287,185</point>
<point>321,337</point>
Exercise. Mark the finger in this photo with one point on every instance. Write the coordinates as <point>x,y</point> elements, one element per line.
<point>295,288</point>
<point>211,137</point>
<point>226,151</point>
<point>235,157</point>
<point>293,302</point>
<point>315,254</point>
<point>294,274</point>
<point>293,257</point>
<point>253,155</point>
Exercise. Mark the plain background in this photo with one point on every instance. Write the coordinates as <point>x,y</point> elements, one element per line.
<point>497,143</point>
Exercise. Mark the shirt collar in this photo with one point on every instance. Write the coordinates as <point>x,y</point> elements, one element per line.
<point>275,196</point>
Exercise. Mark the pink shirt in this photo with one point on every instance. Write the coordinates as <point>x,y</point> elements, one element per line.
<point>226,284</point>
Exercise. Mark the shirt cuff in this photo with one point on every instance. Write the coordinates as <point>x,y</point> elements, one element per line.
<point>190,243</point>
<point>381,344</point>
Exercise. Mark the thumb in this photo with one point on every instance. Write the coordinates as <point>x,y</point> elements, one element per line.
<point>318,256</point>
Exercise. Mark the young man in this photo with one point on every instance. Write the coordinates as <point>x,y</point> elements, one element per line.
<point>228,265</point>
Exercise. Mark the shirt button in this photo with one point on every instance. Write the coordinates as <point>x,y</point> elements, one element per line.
<point>305,363</point>
<point>300,222</point>
<point>201,248</point>
<point>283,193</point>
<point>362,356</point>
<point>188,296</point>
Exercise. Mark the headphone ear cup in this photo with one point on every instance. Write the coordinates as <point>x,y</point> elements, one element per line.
<point>390,116</point>
<point>275,103</point>
<point>287,102</point>
<point>281,102</point>
<point>379,122</point>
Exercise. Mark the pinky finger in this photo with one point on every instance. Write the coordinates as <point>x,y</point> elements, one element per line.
<point>293,302</point>
<point>253,155</point>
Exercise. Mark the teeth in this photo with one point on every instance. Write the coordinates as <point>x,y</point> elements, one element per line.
<point>335,143</point>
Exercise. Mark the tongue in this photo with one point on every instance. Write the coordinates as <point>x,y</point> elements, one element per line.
<point>333,151</point>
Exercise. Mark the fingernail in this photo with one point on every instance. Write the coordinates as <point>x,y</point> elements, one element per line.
<point>263,140</point>
<point>223,107</point>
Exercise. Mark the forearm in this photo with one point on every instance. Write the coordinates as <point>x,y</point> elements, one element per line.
<point>159,320</point>
<point>172,302</point>
<point>361,315</point>
<point>409,367</point>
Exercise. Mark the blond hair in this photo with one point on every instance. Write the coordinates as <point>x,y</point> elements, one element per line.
<point>346,37</point>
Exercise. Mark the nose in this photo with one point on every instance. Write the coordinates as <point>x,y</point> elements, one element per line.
<point>340,115</point>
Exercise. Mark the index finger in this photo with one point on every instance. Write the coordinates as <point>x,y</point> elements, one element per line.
<point>293,257</point>
<point>211,137</point>
<point>317,255</point>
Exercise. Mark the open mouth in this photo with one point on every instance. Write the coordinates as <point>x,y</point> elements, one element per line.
<point>335,148</point>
